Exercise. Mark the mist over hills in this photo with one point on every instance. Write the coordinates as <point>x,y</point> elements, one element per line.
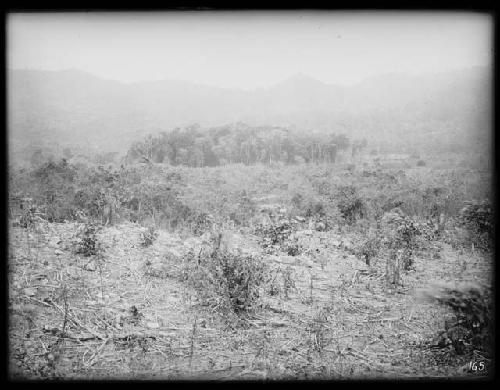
<point>73,107</point>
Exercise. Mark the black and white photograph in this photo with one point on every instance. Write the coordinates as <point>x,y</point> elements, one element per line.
<point>250,195</point>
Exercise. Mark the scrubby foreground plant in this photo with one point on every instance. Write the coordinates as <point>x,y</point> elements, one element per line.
<point>86,241</point>
<point>229,282</point>
<point>472,327</point>
<point>477,218</point>
<point>148,236</point>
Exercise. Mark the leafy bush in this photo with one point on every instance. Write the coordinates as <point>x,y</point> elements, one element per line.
<point>320,209</point>
<point>87,242</point>
<point>148,236</point>
<point>53,186</point>
<point>92,200</point>
<point>99,193</point>
<point>350,204</point>
<point>202,223</point>
<point>406,241</point>
<point>281,281</point>
<point>292,247</point>
<point>288,280</point>
<point>316,209</point>
<point>228,282</point>
<point>472,327</point>
<point>275,236</point>
<point>399,234</point>
<point>30,213</point>
<point>477,218</point>
<point>297,200</point>
<point>159,201</point>
<point>368,249</point>
<point>245,208</point>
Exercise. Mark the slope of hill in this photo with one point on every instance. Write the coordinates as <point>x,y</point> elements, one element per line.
<point>73,106</point>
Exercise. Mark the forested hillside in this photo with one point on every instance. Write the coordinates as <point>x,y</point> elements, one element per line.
<point>441,111</point>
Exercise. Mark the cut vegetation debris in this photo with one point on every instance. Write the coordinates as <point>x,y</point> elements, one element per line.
<point>372,294</point>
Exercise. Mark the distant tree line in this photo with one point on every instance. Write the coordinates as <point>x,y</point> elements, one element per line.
<point>197,147</point>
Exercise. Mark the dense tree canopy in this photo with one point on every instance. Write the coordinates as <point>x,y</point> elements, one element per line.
<point>239,143</point>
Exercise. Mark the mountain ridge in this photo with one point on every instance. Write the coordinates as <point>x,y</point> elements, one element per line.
<point>74,105</point>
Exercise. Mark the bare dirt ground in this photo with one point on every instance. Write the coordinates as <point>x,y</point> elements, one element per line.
<point>128,315</point>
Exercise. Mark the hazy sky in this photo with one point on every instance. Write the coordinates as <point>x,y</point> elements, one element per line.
<point>248,49</point>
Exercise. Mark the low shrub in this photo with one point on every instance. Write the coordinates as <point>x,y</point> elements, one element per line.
<point>400,239</point>
<point>86,241</point>
<point>472,327</point>
<point>405,241</point>
<point>292,247</point>
<point>30,213</point>
<point>297,201</point>
<point>148,236</point>
<point>226,281</point>
<point>281,281</point>
<point>53,186</point>
<point>477,218</point>
<point>368,249</point>
<point>275,235</point>
<point>350,204</point>
<point>202,222</point>
<point>321,209</point>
